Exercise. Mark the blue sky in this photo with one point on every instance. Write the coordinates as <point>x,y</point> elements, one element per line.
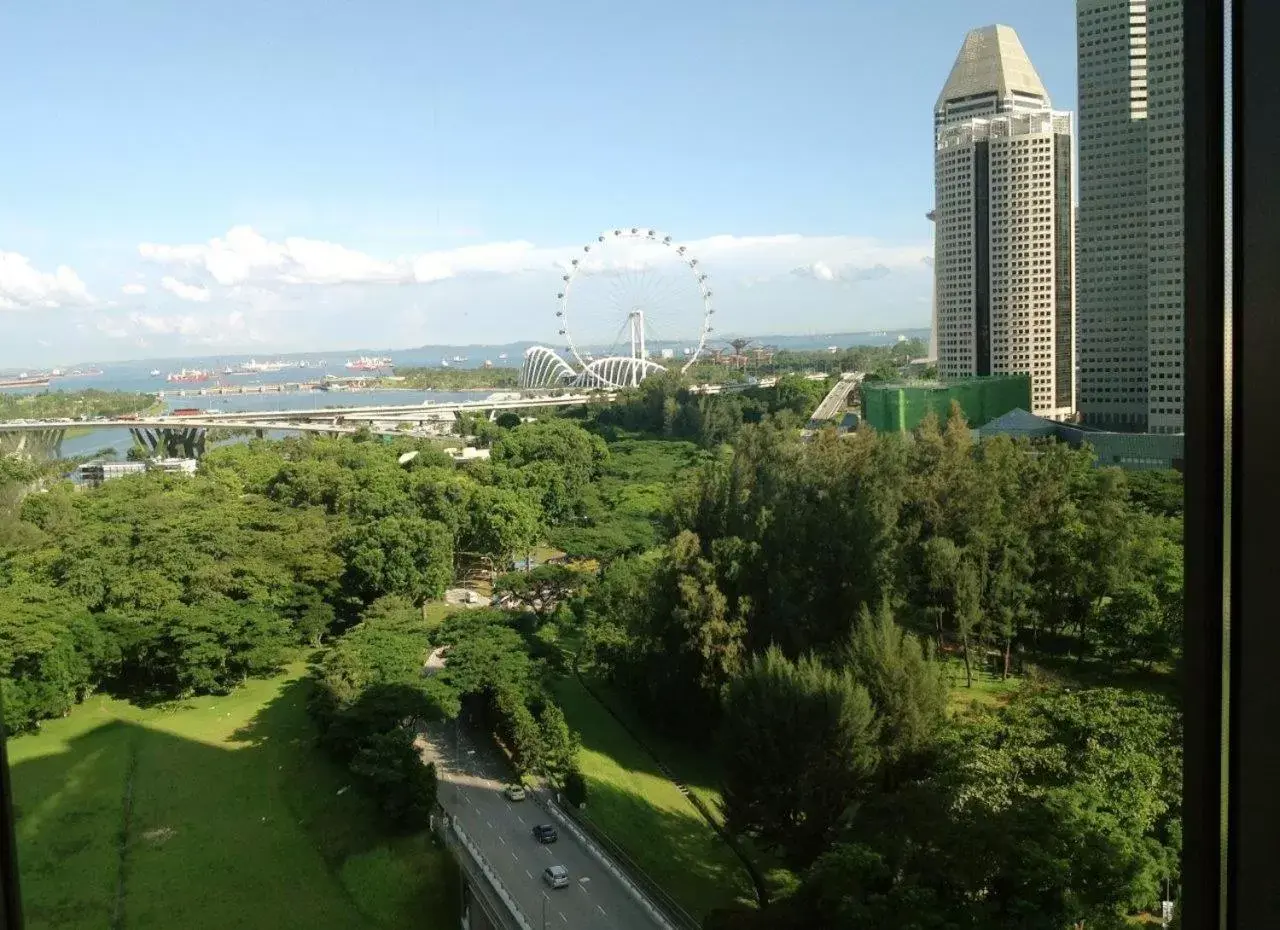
<point>398,130</point>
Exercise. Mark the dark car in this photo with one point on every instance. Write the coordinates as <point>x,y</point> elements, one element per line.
<point>545,833</point>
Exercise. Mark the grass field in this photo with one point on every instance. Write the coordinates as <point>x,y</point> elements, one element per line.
<point>644,813</point>
<point>218,812</point>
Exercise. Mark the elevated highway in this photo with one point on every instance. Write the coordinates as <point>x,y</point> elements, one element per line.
<point>833,405</point>
<point>185,435</point>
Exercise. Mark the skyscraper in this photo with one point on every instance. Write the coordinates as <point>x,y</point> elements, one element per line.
<point>1003,252</point>
<point>1130,236</point>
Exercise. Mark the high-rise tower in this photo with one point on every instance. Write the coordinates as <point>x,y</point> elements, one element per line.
<point>1130,234</point>
<point>1003,242</point>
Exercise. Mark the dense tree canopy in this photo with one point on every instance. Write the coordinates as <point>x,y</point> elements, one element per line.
<point>805,608</point>
<point>58,405</point>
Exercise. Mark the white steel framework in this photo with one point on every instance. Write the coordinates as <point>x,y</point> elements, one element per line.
<point>635,314</point>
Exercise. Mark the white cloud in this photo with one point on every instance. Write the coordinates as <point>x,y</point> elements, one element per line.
<point>823,271</point>
<point>24,287</point>
<point>186,291</point>
<point>243,292</point>
<point>245,257</point>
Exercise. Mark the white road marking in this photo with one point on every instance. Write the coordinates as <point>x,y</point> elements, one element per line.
<point>514,856</point>
<point>600,909</point>
<point>562,917</point>
<point>519,818</point>
<point>527,872</point>
<point>502,841</point>
<point>490,823</point>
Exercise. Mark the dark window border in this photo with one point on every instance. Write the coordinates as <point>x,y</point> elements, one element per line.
<point>1203,859</point>
<point>1253,687</point>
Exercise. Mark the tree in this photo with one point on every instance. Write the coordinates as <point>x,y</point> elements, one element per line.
<point>799,744</point>
<point>575,787</point>
<point>487,658</point>
<point>392,772</point>
<point>1157,491</point>
<point>502,523</point>
<point>388,647</point>
<point>559,745</point>
<point>51,653</point>
<point>1141,619</point>
<point>380,707</point>
<point>210,649</point>
<point>312,618</point>
<point>398,555</point>
<point>681,638</point>
<point>1044,815</point>
<point>955,592</point>
<point>541,589</point>
<point>905,685</point>
<point>554,459</point>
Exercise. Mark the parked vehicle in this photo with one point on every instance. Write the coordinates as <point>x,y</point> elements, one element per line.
<point>545,833</point>
<point>557,876</point>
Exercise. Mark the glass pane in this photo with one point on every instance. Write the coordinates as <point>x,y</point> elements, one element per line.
<point>388,540</point>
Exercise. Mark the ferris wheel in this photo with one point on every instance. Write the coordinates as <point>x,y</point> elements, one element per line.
<point>635,294</point>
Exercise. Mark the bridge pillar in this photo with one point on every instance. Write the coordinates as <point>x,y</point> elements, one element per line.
<point>37,444</point>
<point>145,438</point>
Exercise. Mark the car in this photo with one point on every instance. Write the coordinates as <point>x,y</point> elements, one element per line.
<point>545,833</point>
<point>514,792</point>
<point>557,876</point>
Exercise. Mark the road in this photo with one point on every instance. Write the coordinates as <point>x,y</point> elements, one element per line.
<point>471,781</point>
<point>834,402</point>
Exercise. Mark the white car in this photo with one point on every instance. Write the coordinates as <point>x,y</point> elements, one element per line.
<point>557,876</point>
<point>514,792</point>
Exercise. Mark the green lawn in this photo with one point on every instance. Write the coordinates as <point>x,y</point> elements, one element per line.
<point>988,691</point>
<point>235,821</point>
<point>434,612</point>
<point>638,808</point>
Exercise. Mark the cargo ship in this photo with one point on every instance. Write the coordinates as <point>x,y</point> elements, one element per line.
<point>255,367</point>
<point>365,363</point>
<point>187,376</point>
